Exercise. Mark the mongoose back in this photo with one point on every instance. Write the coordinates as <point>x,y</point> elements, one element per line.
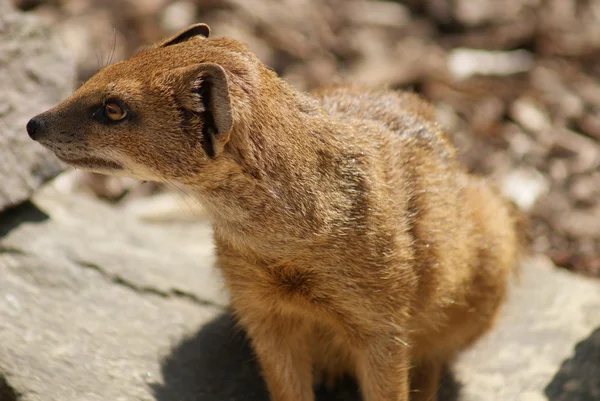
<point>350,240</point>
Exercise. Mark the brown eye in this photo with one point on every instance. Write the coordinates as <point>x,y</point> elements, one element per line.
<point>114,111</point>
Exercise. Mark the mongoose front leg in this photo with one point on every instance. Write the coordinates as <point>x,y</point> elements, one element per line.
<point>284,359</point>
<point>424,381</point>
<point>383,370</point>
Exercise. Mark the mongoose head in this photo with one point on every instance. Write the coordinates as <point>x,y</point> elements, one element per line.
<point>138,117</point>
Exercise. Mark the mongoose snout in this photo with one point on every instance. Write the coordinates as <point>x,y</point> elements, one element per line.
<point>350,239</point>
<point>35,128</point>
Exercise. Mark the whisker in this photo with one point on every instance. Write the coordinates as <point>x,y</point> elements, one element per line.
<point>185,193</point>
<point>97,58</point>
<point>112,50</point>
<point>183,197</point>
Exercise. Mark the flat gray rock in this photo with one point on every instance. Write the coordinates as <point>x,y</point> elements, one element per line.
<point>95,305</point>
<point>161,258</point>
<point>546,345</point>
<point>76,322</point>
<point>35,74</point>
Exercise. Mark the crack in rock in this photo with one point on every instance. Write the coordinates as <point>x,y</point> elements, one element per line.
<point>10,251</point>
<point>173,292</point>
<point>7,392</point>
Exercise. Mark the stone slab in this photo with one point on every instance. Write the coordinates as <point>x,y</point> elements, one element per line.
<point>546,346</point>
<point>76,322</point>
<point>35,74</point>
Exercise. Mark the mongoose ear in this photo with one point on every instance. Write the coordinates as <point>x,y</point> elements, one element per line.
<point>203,90</point>
<point>185,34</point>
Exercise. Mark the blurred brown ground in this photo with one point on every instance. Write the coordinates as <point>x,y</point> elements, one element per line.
<point>514,81</point>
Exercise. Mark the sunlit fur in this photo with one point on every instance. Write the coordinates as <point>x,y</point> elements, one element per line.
<point>350,239</point>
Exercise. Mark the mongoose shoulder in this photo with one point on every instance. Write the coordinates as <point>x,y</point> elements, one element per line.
<point>349,237</point>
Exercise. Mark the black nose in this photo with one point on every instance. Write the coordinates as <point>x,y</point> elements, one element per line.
<point>35,128</point>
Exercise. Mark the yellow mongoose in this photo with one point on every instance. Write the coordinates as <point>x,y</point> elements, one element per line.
<point>349,238</point>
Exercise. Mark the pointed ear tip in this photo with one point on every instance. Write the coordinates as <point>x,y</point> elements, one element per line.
<point>200,27</point>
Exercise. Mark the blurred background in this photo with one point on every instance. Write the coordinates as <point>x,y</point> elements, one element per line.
<point>515,82</point>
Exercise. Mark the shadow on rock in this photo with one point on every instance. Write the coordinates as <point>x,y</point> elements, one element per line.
<point>578,378</point>
<point>7,393</point>
<point>25,212</point>
<point>217,364</point>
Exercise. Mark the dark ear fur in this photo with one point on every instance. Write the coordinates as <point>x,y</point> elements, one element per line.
<point>203,91</point>
<point>185,34</point>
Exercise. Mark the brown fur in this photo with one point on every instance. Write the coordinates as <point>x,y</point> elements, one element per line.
<point>350,239</point>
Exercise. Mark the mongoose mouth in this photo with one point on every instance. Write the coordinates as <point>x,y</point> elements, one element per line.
<point>91,163</point>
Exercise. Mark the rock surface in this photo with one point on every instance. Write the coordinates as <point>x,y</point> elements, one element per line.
<point>95,305</point>
<point>35,74</point>
<point>546,346</point>
<point>90,300</point>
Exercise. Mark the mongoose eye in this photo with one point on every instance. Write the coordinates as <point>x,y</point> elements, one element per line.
<point>111,111</point>
<point>114,111</point>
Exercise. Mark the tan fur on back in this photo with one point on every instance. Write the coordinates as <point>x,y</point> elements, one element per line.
<point>350,239</point>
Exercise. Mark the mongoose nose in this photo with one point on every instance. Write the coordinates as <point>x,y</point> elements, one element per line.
<point>35,128</point>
